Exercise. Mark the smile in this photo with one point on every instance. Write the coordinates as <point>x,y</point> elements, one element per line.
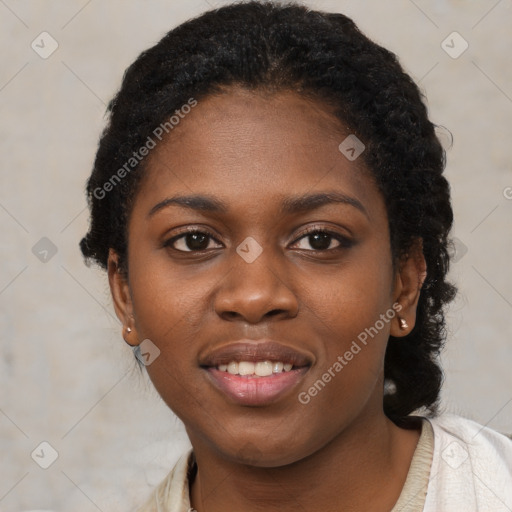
<point>252,373</point>
<point>259,369</point>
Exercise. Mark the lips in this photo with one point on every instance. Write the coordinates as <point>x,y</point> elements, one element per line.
<point>255,351</point>
<point>233,370</point>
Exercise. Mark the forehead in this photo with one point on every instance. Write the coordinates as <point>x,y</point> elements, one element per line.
<point>242,144</point>
<point>240,123</point>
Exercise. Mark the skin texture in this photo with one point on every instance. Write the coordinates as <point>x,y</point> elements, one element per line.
<point>251,151</point>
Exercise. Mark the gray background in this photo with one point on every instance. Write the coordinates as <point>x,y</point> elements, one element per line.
<point>66,377</point>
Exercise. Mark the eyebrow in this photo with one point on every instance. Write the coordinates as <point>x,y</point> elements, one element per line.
<point>289,205</point>
<point>308,202</point>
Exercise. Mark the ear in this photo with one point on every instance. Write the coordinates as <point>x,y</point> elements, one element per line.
<point>121,296</point>
<point>410,277</point>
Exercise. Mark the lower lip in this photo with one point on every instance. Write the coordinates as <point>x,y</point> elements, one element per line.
<point>256,390</point>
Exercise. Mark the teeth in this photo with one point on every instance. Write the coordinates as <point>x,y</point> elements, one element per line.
<point>277,367</point>
<point>233,368</point>
<point>260,369</point>
<point>245,368</point>
<point>263,369</point>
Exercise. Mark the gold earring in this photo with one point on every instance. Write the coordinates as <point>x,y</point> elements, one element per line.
<point>126,333</point>
<point>403,323</point>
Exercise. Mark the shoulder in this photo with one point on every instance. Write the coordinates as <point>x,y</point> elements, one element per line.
<point>452,423</point>
<point>471,467</point>
<point>172,494</point>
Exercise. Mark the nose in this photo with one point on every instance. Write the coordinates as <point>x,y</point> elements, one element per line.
<point>255,291</point>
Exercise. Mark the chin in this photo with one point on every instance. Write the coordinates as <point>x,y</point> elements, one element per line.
<point>264,456</point>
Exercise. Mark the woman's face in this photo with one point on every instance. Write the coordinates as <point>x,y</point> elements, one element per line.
<point>254,275</point>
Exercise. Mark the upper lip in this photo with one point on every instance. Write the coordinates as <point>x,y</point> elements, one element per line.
<point>255,351</point>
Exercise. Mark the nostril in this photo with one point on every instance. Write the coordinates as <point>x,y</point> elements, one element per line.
<point>231,315</point>
<point>275,312</point>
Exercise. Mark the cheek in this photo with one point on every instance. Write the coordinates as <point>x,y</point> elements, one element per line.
<point>351,297</point>
<point>166,299</point>
<point>351,311</point>
<point>171,308</point>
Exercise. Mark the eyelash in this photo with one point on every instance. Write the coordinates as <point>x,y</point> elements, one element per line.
<point>343,241</point>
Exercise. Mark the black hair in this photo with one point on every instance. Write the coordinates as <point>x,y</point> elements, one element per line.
<point>264,46</point>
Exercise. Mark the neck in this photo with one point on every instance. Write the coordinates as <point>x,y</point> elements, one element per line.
<point>363,468</point>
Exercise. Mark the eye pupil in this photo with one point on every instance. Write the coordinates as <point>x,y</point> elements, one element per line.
<point>320,241</point>
<point>199,241</point>
<point>196,241</point>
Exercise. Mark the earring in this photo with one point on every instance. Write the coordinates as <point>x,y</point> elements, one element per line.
<point>127,331</point>
<point>403,323</point>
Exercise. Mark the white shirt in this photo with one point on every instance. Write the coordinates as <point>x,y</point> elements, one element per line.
<point>471,471</point>
<point>471,468</point>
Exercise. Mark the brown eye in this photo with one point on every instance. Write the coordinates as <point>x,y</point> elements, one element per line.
<point>320,240</point>
<point>191,241</point>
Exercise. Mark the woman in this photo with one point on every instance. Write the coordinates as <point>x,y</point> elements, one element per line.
<point>269,203</point>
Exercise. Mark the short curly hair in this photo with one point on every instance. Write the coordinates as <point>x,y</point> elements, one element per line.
<point>264,46</point>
